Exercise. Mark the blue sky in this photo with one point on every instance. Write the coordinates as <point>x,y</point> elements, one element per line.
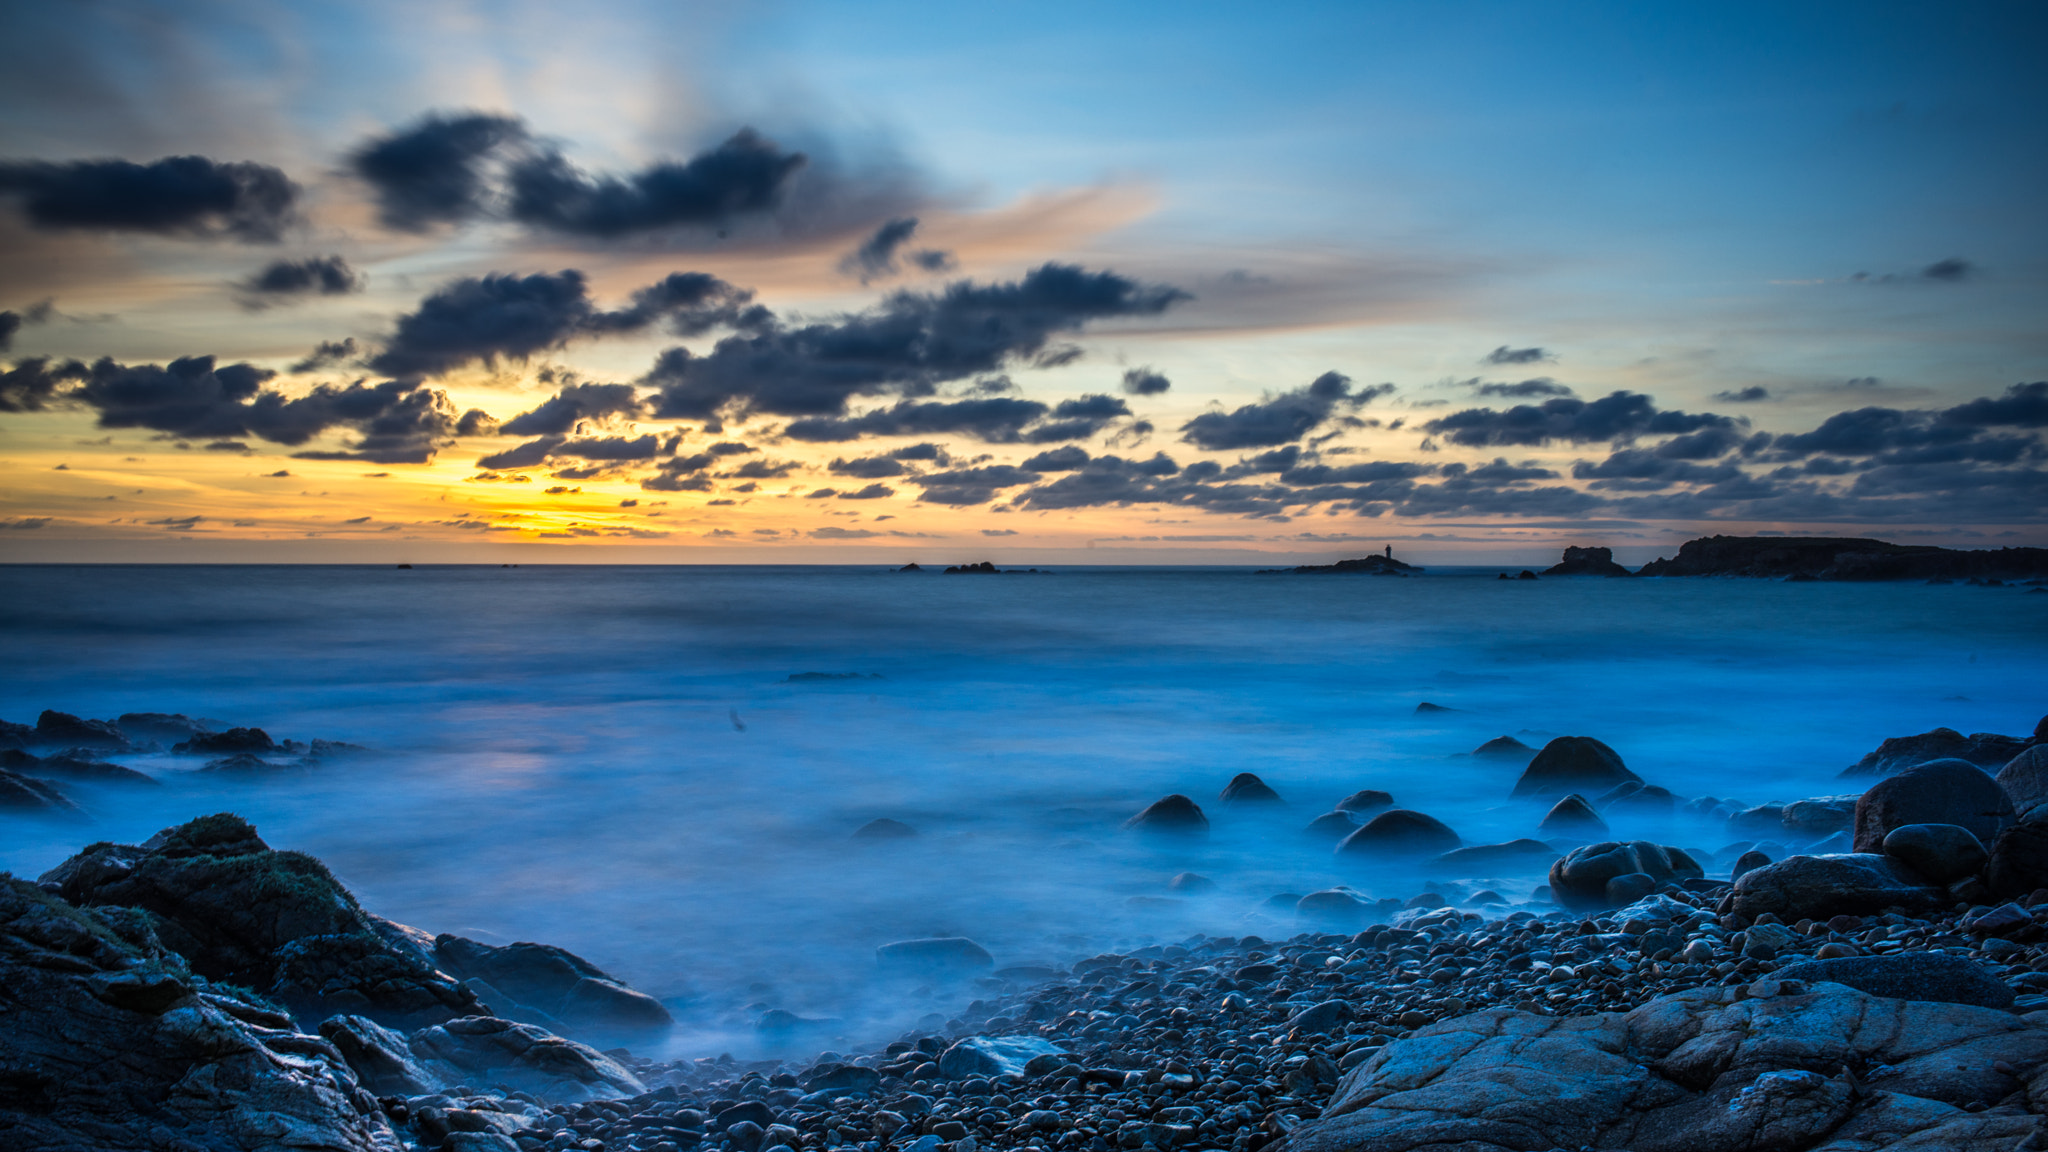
<point>1684,201</point>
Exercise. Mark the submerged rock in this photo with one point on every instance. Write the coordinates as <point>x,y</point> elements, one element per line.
<point>25,794</point>
<point>1366,800</point>
<point>521,1057</point>
<point>1573,764</point>
<point>1246,788</point>
<point>1984,749</point>
<point>62,729</point>
<point>1504,748</point>
<point>80,765</point>
<point>1400,833</point>
<point>1174,815</point>
<point>1572,816</point>
<point>229,742</point>
<point>1516,857</point>
<point>556,981</point>
<point>934,954</point>
<point>1331,826</point>
<point>1584,878</point>
<point>884,828</point>
<point>1938,792</point>
<point>173,726</point>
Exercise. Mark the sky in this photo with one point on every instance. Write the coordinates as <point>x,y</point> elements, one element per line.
<point>1120,283</point>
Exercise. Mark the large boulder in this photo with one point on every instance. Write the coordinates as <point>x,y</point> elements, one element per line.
<point>1709,1070</point>
<point>2019,857</point>
<point>1584,878</point>
<point>1366,800</point>
<point>1818,817</point>
<point>1400,833</point>
<point>1938,792</point>
<point>1514,858</point>
<point>565,986</point>
<point>523,1057</point>
<point>278,922</point>
<point>1984,749</point>
<point>1331,827</point>
<point>108,1041</point>
<point>1174,815</point>
<point>1587,562</point>
<point>1573,764</point>
<point>62,729</point>
<point>172,726</point>
<point>1931,976</point>
<point>2025,779</point>
<point>1822,887</point>
<point>1247,788</point>
<point>1943,853</point>
<point>1573,817</point>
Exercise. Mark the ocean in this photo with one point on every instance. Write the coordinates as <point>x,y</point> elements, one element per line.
<point>616,759</point>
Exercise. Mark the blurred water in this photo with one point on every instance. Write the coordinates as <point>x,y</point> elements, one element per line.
<point>562,762</point>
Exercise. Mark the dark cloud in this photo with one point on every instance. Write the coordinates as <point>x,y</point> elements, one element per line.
<point>871,492</point>
<point>1507,355</point>
<point>575,403</point>
<point>30,384</point>
<point>876,258</point>
<point>1619,416</point>
<point>2022,406</point>
<point>432,172</point>
<point>764,470</point>
<point>315,275</point>
<point>865,467</point>
<point>1522,389</point>
<point>1749,395</point>
<point>1638,470</point>
<point>1145,382</point>
<point>178,195</point>
<point>998,420</point>
<point>483,318</point>
<point>10,323</point>
<point>1057,460</point>
<point>925,451</point>
<point>327,354</point>
<point>1280,419</point>
<point>745,174</point>
<point>1948,271</point>
<point>1077,418</point>
<point>966,486</point>
<point>908,344</point>
<point>613,449</point>
<point>476,422</point>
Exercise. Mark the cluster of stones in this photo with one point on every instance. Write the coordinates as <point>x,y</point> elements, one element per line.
<point>38,761</point>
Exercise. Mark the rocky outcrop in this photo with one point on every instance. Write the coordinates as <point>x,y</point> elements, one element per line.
<point>1505,748</point>
<point>1366,800</point>
<point>1938,792</point>
<point>1987,750</point>
<point>1930,976</point>
<point>63,730</point>
<point>26,794</point>
<point>230,742</point>
<point>1587,562</point>
<point>1247,788</point>
<point>1614,873</point>
<point>1363,566</point>
<point>1820,887</point>
<point>1573,764</point>
<point>1843,558</point>
<point>239,911</point>
<point>554,981</point>
<point>107,1041</point>
<point>522,1057</point>
<point>1174,815</point>
<point>1768,1067</point>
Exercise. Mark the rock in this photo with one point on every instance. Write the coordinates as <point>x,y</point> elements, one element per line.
<point>1984,749</point>
<point>1579,880</point>
<point>1573,764</point>
<point>2019,857</point>
<point>1174,815</point>
<point>993,1056</point>
<point>1820,887</point>
<point>62,729</point>
<point>1246,788</point>
<point>111,1043</point>
<point>1573,817</point>
<point>522,1057</point>
<point>935,954</point>
<point>251,740</point>
<point>1748,862</point>
<point>16,736</point>
<point>2025,778</point>
<point>80,765</point>
<point>1400,833</point>
<point>884,829</point>
<point>1324,1017</point>
<point>1943,853</point>
<point>557,982</point>
<point>1333,906</point>
<point>1426,708</point>
<point>1841,558</point>
<point>1709,1070</point>
<point>278,922</point>
<point>1331,826</point>
<point>1644,799</point>
<point>1587,562</point>
<point>845,1077</point>
<point>1762,820</point>
<point>1516,857</point>
<point>1931,977</point>
<point>1189,883</point>
<point>1505,748</point>
<point>1365,800</point>
<point>171,726</point>
<point>23,794</point>
<point>250,764</point>
<point>1938,792</point>
<point>1630,887</point>
<point>1819,816</point>
<point>380,1058</point>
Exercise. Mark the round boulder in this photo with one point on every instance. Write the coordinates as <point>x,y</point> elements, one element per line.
<point>1749,861</point>
<point>1333,906</point>
<point>1331,826</point>
<point>1174,815</point>
<point>1574,764</point>
<point>1823,887</point>
<point>2019,857</point>
<point>1944,853</point>
<point>1572,816</point>
<point>1579,879</point>
<point>935,954</point>
<point>1505,748</point>
<point>1366,800</point>
<point>1514,858</point>
<point>1246,788</point>
<point>1937,792</point>
<point>1191,883</point>
<point>884,829</point>
<point>1400,833</point>
<point>2025,778</point>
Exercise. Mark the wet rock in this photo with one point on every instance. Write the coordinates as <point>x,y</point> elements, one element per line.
<point>26,794</point>
<point>1938,792</point>
<point>1641,799</point>
<point>1246,788</point>
<point>62,729</point>
<point>1174,815</point>
<point>935,954</point>
<point>1427,709</point>
<point>1587,562</point>
<point>1819,816</point>
<point>884,829</point>
<point>1579,880</point>
<point>1573,764</point>
<point>1514,858</point>
<point>171,726</point>
<point>81,765</point>
<point>1323,1017</point>
<point>1762,820</point>
<point>1365,800</point>
<point>1925,976</point>
<point>1573,817</point>
<point>1711,1070</point>
<point>1629,888</point>
<point>1189,883</point>
<point>110,1042</point>
<point>522,1057</point>
<point>380,1058</point>
<point>2025,778</point>
<point>278,922</point>
<point>1505,748</point>
<point>1333,906</point>
<point>250,764</point>
<point>250,740</point>
<point>1331,826</point>
<point>1820,887</point>
<point>1943,853</point>
<point>1984,749</point>
<point>1399,832</point>
<point>994,1056</point>
<point>1748,862</point>
<point>2019,857</point>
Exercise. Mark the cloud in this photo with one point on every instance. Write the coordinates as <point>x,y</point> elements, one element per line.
<point>326,354</point>
<point>1279,419</point>
<point>875,259</point>
<point>908,344</point>
<point>1749,395</point>
<point>176,196</point>
<point>865,467</point>
<point>1057,460</point>
<point>998,531</point>
<point>1145,382</point>
<point>871,492</point>
<point>573,404</point>
<point>31,384</point>
<point>998,420</point>
<point>10,323</point>
<point>315,275</point>
<point>1948,271</point>
<point>25,523</point>
<point>1539,386</point>
<point>605,448</point>
<point>483,318</point>
<point>432,171</point>
<point>965,486</point>
<point>1618,416</point>
<point>1507,355</point>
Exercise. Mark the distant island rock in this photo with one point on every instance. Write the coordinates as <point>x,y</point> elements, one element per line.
<point>1843,558</point>
<point>1364,566</point>
<point>1587,562</point>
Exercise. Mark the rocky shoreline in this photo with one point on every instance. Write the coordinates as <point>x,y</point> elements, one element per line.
<point>1851,972</point>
